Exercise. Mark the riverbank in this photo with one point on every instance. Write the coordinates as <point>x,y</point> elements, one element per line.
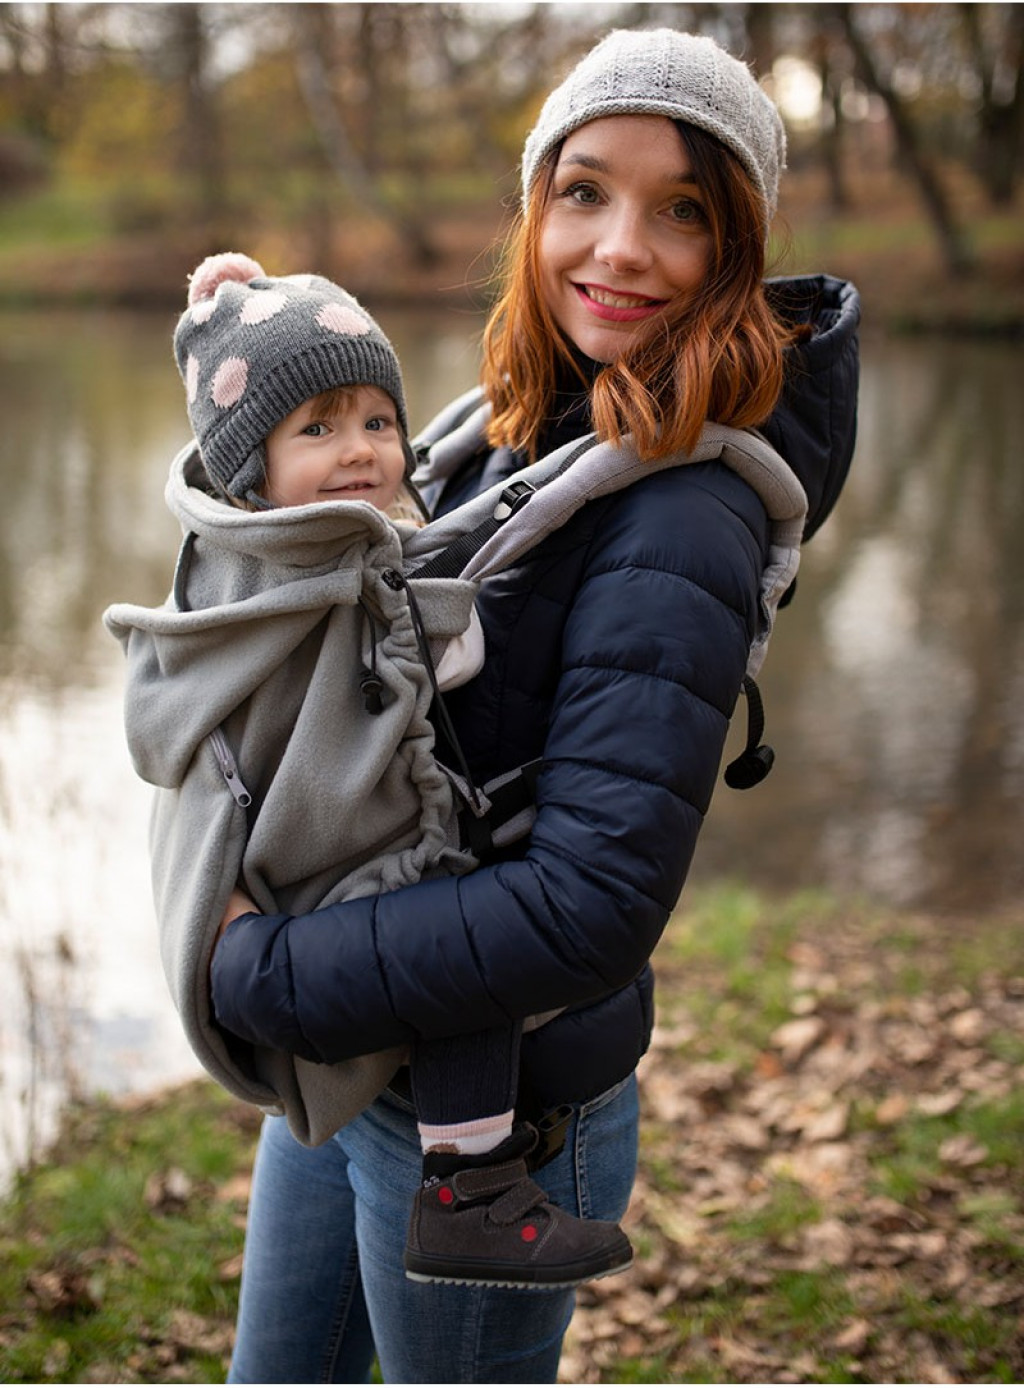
<point>54,255</point>
<point>831,1185</point>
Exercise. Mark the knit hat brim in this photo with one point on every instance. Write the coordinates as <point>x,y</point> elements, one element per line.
<point>685,77</point>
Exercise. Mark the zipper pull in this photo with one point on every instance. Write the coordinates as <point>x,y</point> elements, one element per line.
<point>229,769</point>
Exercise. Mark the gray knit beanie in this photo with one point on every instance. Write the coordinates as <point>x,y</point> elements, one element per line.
<point>666,73</point>
<point>252,348</point>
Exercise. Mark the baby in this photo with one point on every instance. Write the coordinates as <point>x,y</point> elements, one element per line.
<point>296,399</point>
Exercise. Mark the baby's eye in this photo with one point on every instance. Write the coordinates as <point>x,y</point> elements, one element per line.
<point>316,430</point>
<point>378,422</point>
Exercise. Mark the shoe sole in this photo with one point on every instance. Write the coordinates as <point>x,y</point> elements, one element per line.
<point>551,1285</point>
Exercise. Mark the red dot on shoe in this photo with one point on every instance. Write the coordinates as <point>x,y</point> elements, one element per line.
<point>445,1195</point>
<point>528,1233</point>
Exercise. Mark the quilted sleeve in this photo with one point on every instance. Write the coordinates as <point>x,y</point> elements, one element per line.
<point>654,647</point>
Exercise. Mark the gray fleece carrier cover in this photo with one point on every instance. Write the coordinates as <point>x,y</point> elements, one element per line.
<point>251,691</point>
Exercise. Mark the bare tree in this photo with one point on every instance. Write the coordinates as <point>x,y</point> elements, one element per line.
<point>312,47</point>
<point>952,240</point>
<point>826,54</point>
<point>200,145</point>
<point>999,70</point>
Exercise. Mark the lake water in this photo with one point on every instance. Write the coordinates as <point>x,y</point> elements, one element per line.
<point>894,688</point>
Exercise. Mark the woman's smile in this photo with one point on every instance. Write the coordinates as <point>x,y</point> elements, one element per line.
<point>616,307</point>
<point>625,233</point>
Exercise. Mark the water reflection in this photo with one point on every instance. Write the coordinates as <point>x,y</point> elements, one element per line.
<point>894,685</point>
<point>93,414</point>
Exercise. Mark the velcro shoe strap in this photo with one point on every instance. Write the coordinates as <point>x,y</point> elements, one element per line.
<point>484,1182</point>
<point>510,1208</point>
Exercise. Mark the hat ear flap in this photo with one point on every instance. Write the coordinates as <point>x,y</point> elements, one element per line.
<point>412,462</point>
<point>412,459</point>
<point>249,483</point>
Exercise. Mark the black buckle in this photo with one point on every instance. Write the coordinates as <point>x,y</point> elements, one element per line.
<point>551,1131</point>
<point>515,495</point>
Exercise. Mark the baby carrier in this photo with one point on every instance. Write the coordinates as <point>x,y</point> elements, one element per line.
<point>281,699</point>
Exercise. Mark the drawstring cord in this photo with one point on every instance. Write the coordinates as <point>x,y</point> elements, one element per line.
<point>371,686</point>
<point>397,582</point>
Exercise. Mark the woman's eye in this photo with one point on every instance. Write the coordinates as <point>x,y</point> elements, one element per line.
<point>584,193</point>
<point>688,210</point>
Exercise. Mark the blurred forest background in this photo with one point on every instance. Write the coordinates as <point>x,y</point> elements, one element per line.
<point>379,143</point>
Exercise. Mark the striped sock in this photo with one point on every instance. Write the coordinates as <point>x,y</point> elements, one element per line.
<point>471,1138</point>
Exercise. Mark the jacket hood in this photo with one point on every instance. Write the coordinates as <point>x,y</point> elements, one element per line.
<point>250,588</point>
<point>814,426</point>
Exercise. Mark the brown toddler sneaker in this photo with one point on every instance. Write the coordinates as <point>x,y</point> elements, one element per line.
<point>484,1220</point>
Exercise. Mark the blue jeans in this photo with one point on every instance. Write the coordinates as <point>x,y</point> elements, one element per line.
<point>323,1288</point>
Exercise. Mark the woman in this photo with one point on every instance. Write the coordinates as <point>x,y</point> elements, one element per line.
<point>615,651</point>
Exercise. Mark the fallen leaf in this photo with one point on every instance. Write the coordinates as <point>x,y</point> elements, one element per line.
<point>200,1334</point>
<point>853,1338</point>
<point>963,1150</point>
<point>892,1109</point>
<point>231,1268</point>
<point>64,1291</point>
<point>969,1027</point>
<point>829,1243</point>
<point>794,1039</point>
<point>167,1192</point>
<point>937,1105</point>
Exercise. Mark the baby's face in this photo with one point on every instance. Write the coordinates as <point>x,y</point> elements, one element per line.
<point>351,454</point>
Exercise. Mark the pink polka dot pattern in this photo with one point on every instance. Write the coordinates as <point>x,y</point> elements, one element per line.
<point>251,347</point>
<point>338,318</point>
<point>229,382</point>
<point>260,307</point>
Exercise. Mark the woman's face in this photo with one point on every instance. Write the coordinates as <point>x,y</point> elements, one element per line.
<point>625,234</point>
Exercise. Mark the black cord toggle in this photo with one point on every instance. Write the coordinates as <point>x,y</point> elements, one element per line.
<point>371,686</point>
<point>750,768</point>
<point>755,761</point>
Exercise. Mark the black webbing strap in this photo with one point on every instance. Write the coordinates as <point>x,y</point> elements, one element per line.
<point>507,800</point>
<point>451,560</point>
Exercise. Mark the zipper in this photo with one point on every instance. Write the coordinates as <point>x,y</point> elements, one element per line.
<point>229,768</point>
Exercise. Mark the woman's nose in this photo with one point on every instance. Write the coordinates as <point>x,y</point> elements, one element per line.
<point>623,242</point>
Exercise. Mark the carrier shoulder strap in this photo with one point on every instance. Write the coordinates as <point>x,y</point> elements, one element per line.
<point>451,561</point>
<point>508,802</point>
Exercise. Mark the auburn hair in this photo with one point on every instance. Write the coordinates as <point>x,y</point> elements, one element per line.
<point>718,356</point>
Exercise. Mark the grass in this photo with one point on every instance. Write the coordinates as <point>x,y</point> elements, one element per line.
<point>120,1251</point>
<point>885,1246</point>
<point>850,1209</point>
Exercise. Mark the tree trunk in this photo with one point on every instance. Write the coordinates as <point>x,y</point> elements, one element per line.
<point>823,48</point>
<point>334,137</point>
<point>1000,123</point>
<point>953,243</point>
<point>200,152</point>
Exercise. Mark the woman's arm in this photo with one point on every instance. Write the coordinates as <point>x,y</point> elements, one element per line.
<point>653,653</point>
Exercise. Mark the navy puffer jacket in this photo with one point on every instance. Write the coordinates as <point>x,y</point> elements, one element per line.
<point>616,650</point>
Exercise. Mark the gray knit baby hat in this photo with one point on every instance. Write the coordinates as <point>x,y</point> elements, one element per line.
<point>251,348</point>
<point>666,73</point>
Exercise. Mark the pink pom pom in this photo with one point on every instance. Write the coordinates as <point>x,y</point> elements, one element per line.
<point>221,269</point>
